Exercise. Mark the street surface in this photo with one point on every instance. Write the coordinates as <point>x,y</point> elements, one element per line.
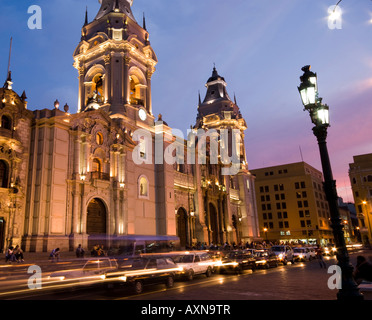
<point>301,281</point>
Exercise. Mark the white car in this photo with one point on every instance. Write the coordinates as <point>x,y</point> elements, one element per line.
<point>301,254</point>
<point>93,269</point>
<point>194,263</point>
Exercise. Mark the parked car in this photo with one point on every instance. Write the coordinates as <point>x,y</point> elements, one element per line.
<point>237,261</point>
<point>139,272</point>
<point>284,253</point>
<point>266,259</point>
<point>301,254</point>
<point>194,263</point>
<point>93,269</point>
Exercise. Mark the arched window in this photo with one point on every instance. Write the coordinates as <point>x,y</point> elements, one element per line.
<point>6,122</point>
<point>143,187</point>
<point>3,174</point>
<point>96,167</point>
<point>99,138</point>
<point>97,86</point>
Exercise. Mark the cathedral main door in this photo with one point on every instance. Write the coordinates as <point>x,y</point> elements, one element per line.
<point>96,223</point>
<point>182,226</point>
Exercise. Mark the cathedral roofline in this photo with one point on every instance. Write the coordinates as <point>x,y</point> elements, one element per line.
<point>117,6</point>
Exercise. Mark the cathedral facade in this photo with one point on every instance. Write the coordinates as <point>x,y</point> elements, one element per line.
<point>102,171</point>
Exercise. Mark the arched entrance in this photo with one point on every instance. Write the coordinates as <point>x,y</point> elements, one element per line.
<point>96,222</point>
<point>213,224</point>
<point>182,226</point>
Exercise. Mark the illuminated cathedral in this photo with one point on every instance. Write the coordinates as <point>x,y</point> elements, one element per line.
<point>67,177</point>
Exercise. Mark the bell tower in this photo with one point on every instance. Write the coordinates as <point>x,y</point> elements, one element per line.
<point>115,61</point>
<point>227,200</point>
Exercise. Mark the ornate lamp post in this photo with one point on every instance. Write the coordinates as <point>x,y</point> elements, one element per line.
<point>319,114</point>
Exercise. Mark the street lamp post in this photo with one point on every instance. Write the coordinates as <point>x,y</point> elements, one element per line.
<point>319,114</point>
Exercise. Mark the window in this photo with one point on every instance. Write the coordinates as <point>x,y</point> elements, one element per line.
<point>279,215</point>
<point>142,149</point>
<point>281,224</point>
<point>276,187</point>
<point>96,165</point>
<point>301,213</point>
<point>281,187</point>
<point>297,185</point>
<point>286,224</point>
<point>284,205</point>
<point>299,204</point>
<point>285,214</point>
<point>303,185</point>
<point>97,87</point>
<point>6,122</point>
<point>99,138</point>
<point>3,174</point>
<point>143,187</point>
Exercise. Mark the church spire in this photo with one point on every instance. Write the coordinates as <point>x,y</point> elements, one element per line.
<point>144,22</point>
<point>86,17</point>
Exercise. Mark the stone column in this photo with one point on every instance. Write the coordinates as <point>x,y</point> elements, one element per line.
<point>126,80</point>
<point>81,103</point>
<point>107,59</point>
<point>150,72</point>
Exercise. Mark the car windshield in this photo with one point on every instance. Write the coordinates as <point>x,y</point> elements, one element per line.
<point>235,255</point>
<point>262,254</point>
<point>277,249</point>
<point>184,259</point>
<point>299,250</point>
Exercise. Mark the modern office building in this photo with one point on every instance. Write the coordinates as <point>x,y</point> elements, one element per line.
<point>292,205</point>
<point>360,174</point>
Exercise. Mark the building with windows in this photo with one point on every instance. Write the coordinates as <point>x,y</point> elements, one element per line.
<point>360,174</point>
<point>292,205</point>
<point>101,172</point>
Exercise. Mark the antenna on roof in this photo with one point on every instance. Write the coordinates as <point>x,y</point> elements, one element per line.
<point>302,158</point>
<point>10,55</point>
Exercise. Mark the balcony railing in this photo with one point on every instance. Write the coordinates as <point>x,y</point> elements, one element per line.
<point>100,176</point>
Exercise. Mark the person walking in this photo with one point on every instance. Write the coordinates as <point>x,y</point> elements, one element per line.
<point>319,255</point>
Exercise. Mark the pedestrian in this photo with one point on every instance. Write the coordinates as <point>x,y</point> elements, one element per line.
<point>9,256</point>
<point>363,270</point>
<point>54,255</point>
<point>18,253</point>
<point>319,255</point>
<point>80,251</point>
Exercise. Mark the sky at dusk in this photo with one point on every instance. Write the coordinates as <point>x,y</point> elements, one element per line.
<point>258,46</point>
